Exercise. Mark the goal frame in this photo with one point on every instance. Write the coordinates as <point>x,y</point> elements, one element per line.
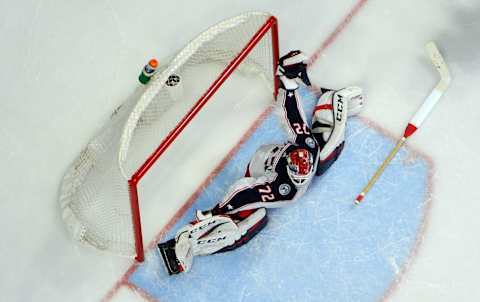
<point>270,25</point>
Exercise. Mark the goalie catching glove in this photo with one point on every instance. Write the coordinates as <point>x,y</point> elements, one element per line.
<point>212,234</point>
<point>293,66</point>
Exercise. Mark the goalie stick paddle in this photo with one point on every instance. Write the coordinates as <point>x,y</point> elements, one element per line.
<point>419,117</point>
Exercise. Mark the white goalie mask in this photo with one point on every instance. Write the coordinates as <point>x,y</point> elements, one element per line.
<point>300,166</point>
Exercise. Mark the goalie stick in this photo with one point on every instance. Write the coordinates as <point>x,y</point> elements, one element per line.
<point>419,117</point>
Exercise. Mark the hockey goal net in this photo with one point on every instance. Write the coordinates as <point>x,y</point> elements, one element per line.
<point>99,195</point>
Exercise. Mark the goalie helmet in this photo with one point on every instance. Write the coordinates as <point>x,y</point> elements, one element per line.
<point>300,166</point>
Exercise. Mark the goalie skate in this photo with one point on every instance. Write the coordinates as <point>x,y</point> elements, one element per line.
<point>167,251</point>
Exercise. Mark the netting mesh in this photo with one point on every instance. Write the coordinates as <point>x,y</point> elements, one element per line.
<point>94,194</point>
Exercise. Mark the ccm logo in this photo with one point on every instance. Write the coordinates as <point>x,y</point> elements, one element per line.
<point>212,240</point>
<point>339,108</point>
<point>203,226</point>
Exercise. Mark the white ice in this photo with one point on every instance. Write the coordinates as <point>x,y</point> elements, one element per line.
<point>66,65</point>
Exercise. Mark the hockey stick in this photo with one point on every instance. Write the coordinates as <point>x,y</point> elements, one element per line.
<point>419,117</point>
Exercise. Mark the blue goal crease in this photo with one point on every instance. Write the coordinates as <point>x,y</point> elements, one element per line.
<point>321,248</point>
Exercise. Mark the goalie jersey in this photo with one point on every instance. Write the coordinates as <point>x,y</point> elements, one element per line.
<point>277,174</point>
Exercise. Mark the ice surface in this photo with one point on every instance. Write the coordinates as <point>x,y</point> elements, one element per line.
<point>321,248</point>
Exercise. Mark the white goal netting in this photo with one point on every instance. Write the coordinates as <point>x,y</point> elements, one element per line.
<point>94,196</point>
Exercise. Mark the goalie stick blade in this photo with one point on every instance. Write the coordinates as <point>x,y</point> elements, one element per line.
<point>167,250</point>
<point>438,61</point>
<point>437,92</point>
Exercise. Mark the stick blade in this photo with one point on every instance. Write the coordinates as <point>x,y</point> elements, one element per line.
<point>438,61</point>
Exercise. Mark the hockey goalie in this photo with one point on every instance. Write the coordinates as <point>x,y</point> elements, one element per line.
<point>276,176</point>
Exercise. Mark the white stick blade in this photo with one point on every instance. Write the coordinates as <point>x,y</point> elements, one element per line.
<point>438,61</point>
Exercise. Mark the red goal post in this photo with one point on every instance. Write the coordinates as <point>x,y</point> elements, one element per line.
<point>100,189</point>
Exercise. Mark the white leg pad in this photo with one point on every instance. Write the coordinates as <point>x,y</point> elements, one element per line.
<point>211,235</point>
<point>355,98</point>
<point>251,220</point>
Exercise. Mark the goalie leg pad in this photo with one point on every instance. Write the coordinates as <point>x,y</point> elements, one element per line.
<point>324,165</point>
<point>215,234</point>
<point>227,235</point>
<point>221,232</point>
<point>328,126</point>
<point>329,121</point>
<point>200,238</point>
<point>249,227</point>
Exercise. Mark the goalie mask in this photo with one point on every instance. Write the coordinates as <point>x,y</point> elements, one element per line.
<point>300,166</point>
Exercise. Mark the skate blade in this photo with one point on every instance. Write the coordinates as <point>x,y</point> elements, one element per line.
<point>169,259</point>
